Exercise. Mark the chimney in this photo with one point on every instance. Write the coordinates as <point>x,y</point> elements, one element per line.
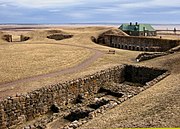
<point>136,23</point>
<point>130,23</point>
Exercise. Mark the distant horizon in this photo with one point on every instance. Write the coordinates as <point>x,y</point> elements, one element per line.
<point>21,25</point>
<point>85,23</point>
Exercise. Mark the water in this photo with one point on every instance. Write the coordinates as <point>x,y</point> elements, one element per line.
<point>156,26</point>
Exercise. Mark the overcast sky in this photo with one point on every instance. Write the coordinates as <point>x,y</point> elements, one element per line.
<point>90,11</point>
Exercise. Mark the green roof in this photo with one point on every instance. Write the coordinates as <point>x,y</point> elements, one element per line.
<point>138,27</point>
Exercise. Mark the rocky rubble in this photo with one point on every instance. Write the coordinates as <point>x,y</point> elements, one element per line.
<point>148,56</point>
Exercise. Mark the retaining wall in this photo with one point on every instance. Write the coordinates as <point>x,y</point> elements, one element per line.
<point>138,43</point>
<point>22,108</point>
<point>148,56</point>
<point>141,75</point>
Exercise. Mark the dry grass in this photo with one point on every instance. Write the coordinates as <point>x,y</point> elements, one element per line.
<point>156,107</point>
<point>41,35</point>
<point>31,50</point>
<point>25,60</point>
<point>1,35</point>
<point>17,59</point>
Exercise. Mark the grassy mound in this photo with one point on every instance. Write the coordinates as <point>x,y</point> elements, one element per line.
<point>41,35</point>
<point>112,31</point>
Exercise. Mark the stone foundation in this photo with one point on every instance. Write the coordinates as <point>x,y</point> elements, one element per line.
<point>22,108</point>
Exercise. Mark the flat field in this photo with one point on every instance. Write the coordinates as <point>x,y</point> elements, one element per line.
<point>25,60</point>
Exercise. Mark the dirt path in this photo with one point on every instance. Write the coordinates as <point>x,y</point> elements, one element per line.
<point>73,69</point>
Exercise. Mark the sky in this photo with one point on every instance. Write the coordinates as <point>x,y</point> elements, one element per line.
<point>89,11</point>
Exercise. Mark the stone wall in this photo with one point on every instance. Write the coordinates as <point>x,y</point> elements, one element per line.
<point>138,43</point>
<point>141,75</point>
<point>21,108</point>
<point>148,56</point>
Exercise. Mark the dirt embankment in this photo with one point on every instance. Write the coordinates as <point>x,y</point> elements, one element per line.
<point>41,35</point>
<point>112,31</point>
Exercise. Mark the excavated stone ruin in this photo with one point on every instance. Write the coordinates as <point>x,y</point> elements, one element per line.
<point>141,75</point>
<point>98,103</point>
<point>136,79</point>
<point>78,101</point>
<point>148,56</point>
<point>78,114</point>
<point>110,92</point>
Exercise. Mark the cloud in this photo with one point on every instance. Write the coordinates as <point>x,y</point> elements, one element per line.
<point>44,3</point>
<point>54,10</point>
<point>78,15</point>
<point>71,11</point>
<point>150,4</point>
<point>166,3</point>
<point>107,10</point>
<point>65,3</point>
<point>3,5</point>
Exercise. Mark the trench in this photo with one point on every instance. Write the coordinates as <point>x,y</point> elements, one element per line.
<point>81,108</point>
<point>141,75</point>
<point>135,79</point>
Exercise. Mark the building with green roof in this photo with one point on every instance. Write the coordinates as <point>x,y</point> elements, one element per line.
<point>138,29</point>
